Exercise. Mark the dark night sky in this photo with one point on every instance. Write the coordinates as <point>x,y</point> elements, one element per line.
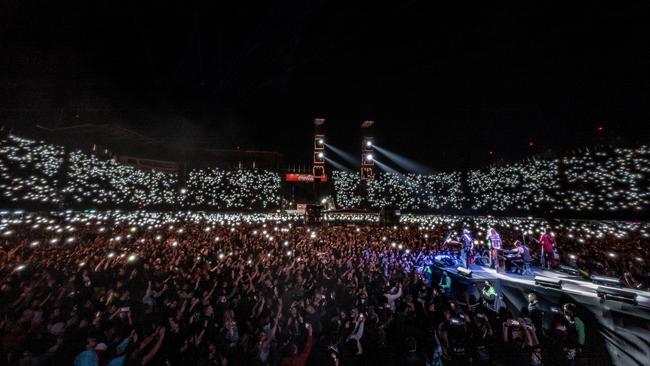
<point>444,86</point>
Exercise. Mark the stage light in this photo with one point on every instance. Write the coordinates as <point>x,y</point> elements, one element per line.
<point>183,190</point>
<point>548,282</point>
<point>321,141</point>
<point>464,272</point>
<point>369,157</point>
<point>321,155</point>
<point>111,255</point>
<point>20,267</point>
<point>132,257</point>
<point>34,243</point>
<point>368,143</point>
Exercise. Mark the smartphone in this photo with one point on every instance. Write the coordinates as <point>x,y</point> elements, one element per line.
<point>125,309</point>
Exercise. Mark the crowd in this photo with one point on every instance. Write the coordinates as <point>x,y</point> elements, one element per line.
<point>612,180</point>
<point>35,171</point>
<point>607,180</point>
<point>120,289</point>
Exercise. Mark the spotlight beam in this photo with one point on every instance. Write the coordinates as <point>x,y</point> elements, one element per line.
<point>349,158</point>
<point>404,163</point>
<point>385,167</point>
<point>337,165</point>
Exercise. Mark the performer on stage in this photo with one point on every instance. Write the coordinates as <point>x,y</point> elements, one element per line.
<point>494,243</point>
<point>468,246</point>
<point>523,258</point>
<point>547,242</point>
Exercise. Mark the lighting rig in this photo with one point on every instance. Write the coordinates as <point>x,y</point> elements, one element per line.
<point>367,151</point>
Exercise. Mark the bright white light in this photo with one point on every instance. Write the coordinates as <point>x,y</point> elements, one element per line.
<point>321,141</point>
<point>369,157</point>
<point>368,143</point>
<point>111,255</point>
<point>320,154</point>
<point>132,257</point>
<point>34,243</point>
<point>20,267</point>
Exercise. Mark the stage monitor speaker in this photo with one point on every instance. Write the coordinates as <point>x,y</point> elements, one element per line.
<point>443,261</point>
<point>464,272</point>
<point>616,294</point>
<point>548,282</point>
<point>605,280</point>
<point>568,270</point>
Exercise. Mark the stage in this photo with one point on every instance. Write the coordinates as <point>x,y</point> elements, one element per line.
<point>616,329</point>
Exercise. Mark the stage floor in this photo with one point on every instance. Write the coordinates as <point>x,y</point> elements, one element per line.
<point>570,283</point>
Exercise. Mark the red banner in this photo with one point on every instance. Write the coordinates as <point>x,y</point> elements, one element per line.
<point>303,178</point>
